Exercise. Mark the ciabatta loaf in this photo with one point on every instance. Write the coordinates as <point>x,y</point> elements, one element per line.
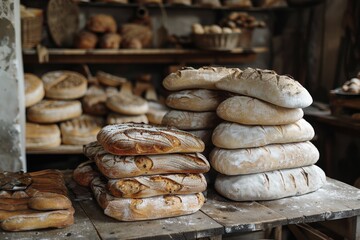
<point>277,89</point>
<point>127,104</point>
<point>143,139</point>
<point>186,120</point>
<point>113,166</point>
<point>34,89</point>
<point>233,135</point>
<point>42,136</point>
<point>133,209</point>
<point>251,111</point>
<point>271,185</point>
<point>156,185</point>
<point>52,111</point>
<point>190,78</point>
<point>115,118</point>
<point>64,85</point>
<point>262,159</point>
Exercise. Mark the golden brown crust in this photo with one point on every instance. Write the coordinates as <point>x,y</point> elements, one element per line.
<point>42,136</point>
<point>85,173</point>
<point>34,89</point>
<point>101,23</point>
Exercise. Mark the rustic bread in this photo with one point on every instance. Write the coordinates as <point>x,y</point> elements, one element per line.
<point>52,111</point>
<point>156,112</point>
<point>115,118</point>
<point>64,85</point>
<point>101,23</point>
<point>81,130</point>
<point>94,101</point>
<point>277,89</point>
<point>90,150</point>
<point>42,136</point>
<point>85,40</point>
<point>110,41</point>
<point>190,120</point>
<point>156,185</point>
<point>271,185</point>
<point>131,166</point>
<point>204,135</point>
<point>143,139</point>
<point>262,159</point>
<point>34,89</point>
<point>49,201</point>
<point>85,172</point>
<point>251,111</point>
<point>233,135</point>
<point>190,78</point>
<point>127,104</point>
<point>110,79</point>
<point>129,209</point>
<point>198,100</point>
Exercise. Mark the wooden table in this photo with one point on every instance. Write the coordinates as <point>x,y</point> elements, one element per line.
<point>218,217</point>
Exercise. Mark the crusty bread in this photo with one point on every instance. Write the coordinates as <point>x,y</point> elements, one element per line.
<point>81,130</point>
<point>277,89</point>
<point>85,172</point>
<point>156,112</point>
<point>110,41</point>
<point>190,78</point>
<point>129,209</point>
<point>251,111</point>
<point>204,135</point>
<point>186,120</point>
<point>115,118</point>
<point>110,79</point>
<point>94,101</point>
<point>64,85</point>
<point>127,104</point>
<point>233,135</point>
<point>49,201</point>
<point>271,185</point>
<point>156,185</point>
<point>131,166</point>
<point>143,139</point>
<point>51,111</point>
<point>4,214</point>
<point>42,136</point>
<point>198,100</point>
<point>34,89</point>
<point>90,150</point>
<point>101,23</point>
<point>262,159</point>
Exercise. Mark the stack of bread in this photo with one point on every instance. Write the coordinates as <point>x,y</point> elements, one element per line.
<point>146,172</point>
<point>34,200</point>
<point>263,150</point>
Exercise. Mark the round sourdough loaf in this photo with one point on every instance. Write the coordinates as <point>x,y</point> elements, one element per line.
<point>156,112</point>
<point>133,209</point>
<point>261,159</point>
<point>277,89</point>
<point>198,100</point>
<point>127,104</point>
<point>233,135</point>
<point>190,78</point>
<point>91,149</point>
<point>42,136</point>
<point>271,185</point>
<point>115,118</point>
<point>113,166</point>
<point>52,111</point>
<point>143,139</point>
<point>34,89</point>
<point>251,111</point>
<point>186,120</point>
<point>109,79</point>
<point>64,85</point>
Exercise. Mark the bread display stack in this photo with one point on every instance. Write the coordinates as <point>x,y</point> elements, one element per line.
<point>34,200</point>
<point>262,149</point>
<point>147,172</point>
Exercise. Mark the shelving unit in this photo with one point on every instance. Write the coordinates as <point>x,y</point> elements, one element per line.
<point>62,149</point>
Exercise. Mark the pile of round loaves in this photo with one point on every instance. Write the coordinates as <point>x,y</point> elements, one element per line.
<point>140,172</point>
<point>263,150</point>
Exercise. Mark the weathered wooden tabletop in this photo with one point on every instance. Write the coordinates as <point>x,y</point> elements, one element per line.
<point>218,216</point>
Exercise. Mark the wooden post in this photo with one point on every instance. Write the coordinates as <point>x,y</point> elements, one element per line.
<point>12,110</point>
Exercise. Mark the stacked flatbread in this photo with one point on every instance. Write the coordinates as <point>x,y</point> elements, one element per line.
<point>34,200</point>
<point>262,149</point>
<point>145,172</point>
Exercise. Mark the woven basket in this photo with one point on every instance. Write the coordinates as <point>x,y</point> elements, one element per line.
<point>31,29</point>
<point>220,42</point>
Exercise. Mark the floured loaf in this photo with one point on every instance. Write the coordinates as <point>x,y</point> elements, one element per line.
<point>186,120</point>
<point>34,89</point>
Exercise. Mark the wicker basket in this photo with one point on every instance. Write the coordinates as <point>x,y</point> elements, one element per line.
<point>220,42</point>
<point>31,28</point>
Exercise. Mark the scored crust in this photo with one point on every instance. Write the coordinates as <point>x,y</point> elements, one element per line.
<point>109,79</point>
<point>127,104</point>
<point>186,120</point>
<point>115,118</point>
<point>34,89</point>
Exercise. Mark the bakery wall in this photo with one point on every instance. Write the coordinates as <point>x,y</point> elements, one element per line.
<point>12,116</point>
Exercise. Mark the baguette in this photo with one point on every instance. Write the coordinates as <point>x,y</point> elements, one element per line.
<point>271,185</point>
<point>190,120</point>
<point>277,89</point>
<point>251,111</point>
<point>142,139</point>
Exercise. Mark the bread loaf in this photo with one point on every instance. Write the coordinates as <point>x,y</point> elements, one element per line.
<point>261,159</point>
<point>204,135</point>
<point>110,79</point>
<point>190,78</point>
<point>156,112</point>
<point>42,136</point>
<point>113,166</point>
<point>90,150</point>
<point>190,120</point>
<point>271,185</point>
<point>34,89</point>
<point>128,209</point>
<point>85,172</point>
<point>94,101</point>
<point>251,111</point>
<point>198,100</point>
<point>110,41</point>
<point>156,185</point>
<point>114,118</point>
<point>101,23</point>
<point>142,139</point>
<point>4,214</point>
<point>233,135</point>
<point>85,40</point>
<point>277,89</point>
<point>49,201</point>
<point>127,104</point>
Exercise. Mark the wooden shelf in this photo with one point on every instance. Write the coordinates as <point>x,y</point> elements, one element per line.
<point>62,149</point>
<point>145,56</point>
